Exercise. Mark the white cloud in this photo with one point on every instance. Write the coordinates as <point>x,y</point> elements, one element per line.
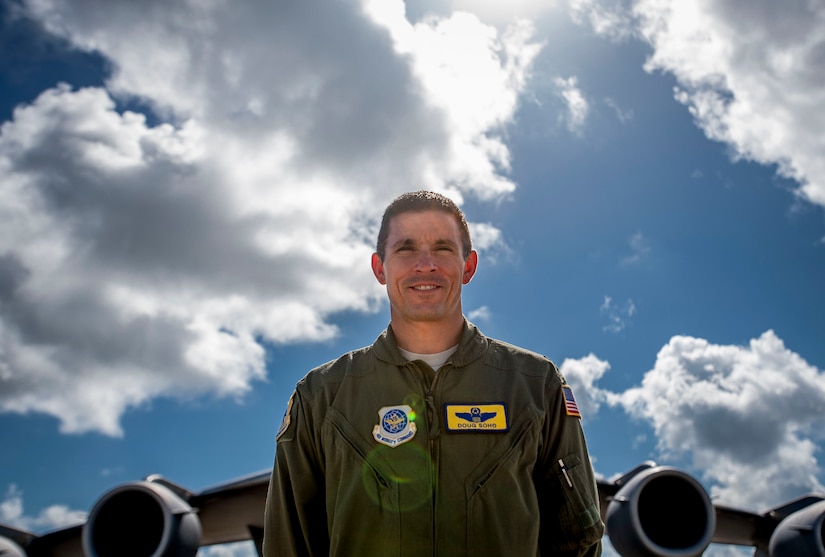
<point>748,418</point>
<point>719,550</point>
<point>582,375</point>
<point>608,18</point>
<point>618,315</point>
<point>55,516</point>
<point>497,12</point>
<point>639,247</point>
<point>140,261</point>
<point>624,115</point>
<point>607,548</point>
<point>473,73</point>
<point>489,241</point>
<point>747,415</point>
<point>482,313</point>
<point>752,74</point>
<point>577,105</point>
<point>239,549</point>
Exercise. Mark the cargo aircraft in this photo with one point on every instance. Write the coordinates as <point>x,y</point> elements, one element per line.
<point>652,511</point>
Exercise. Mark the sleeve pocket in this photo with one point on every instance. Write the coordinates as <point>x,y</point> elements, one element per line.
<point>574,519</point>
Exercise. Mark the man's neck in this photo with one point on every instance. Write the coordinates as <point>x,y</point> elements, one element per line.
<point>427,337</point>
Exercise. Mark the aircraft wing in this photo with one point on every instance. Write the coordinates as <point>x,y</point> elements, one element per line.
<point>652,511</point>
<point>234,511</point>
<point>658,511</point>
<point>155,518</point>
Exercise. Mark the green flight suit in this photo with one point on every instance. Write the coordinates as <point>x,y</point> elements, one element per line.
<point>378,456</point>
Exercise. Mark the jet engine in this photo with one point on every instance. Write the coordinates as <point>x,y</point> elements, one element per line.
<point>141,519</point>
<point>661,512</point>
<point>801,534</point>
<point>10,549</point>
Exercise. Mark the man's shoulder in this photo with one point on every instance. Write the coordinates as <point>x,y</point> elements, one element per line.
<point>505,355</point>
<point>333,372</point>
<point>507,349</point>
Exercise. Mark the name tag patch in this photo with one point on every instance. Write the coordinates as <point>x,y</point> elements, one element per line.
<point>476,417</point>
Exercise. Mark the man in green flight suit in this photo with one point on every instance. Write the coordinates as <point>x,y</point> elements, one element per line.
<point>436,440</point>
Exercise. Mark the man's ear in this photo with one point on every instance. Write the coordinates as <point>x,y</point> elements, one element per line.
<point>470,266</point>
<point>378,269</point>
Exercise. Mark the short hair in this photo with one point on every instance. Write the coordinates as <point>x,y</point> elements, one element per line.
<point>418,201</point>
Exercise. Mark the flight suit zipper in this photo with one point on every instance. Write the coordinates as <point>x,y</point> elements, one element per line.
<point>429,380</point>
<point>435,414</point>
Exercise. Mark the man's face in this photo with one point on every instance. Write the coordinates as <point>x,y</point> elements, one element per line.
<point>423,267</point>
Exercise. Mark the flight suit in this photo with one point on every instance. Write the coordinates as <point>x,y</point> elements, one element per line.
<point>378,456</point>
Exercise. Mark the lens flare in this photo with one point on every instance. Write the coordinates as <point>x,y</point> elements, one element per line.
<point>398,478</point>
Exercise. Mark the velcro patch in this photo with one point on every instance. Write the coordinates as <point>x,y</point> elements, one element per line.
<point>476,417</point>
<point>287,418</point>
<point>570,402</point>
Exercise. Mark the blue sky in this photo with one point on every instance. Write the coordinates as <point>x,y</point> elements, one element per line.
<point>189,197</point>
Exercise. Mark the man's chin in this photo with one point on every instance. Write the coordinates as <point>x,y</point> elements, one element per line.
<point>428,314</point>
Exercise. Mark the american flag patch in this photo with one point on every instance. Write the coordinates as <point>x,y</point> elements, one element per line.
<point>570,402</point>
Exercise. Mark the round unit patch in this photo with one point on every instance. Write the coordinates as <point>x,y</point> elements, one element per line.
<point>395,425</point>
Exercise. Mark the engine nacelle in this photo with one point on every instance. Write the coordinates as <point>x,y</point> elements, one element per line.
<point>141,519</point>
<point>801,534</point>
<point>661,512</point>
<point>10,549</point>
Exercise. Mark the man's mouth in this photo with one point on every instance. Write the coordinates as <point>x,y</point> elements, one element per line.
<point>425,287</point>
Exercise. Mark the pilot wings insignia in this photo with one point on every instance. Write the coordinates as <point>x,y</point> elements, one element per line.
<point>476,417</point>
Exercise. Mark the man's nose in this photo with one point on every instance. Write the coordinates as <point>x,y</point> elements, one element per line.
<point>425,261</point>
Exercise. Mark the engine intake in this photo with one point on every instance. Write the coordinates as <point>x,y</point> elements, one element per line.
<point>141,519</point>
<point>661,512</point>
<point>10,549</point>
<point>802,534</point>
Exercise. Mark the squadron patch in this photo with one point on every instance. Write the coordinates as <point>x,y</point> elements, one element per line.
<point>476,417</point>
<point>570,402</point>
<point>395,425</point>
<point>287,417</point>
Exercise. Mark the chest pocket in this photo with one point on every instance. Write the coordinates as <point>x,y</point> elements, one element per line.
<point>361,496</point>
<point>502,506</point>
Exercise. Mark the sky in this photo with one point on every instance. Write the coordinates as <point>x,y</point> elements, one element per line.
<point>190,192</point>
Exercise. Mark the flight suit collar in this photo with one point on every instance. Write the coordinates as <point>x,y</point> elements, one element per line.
<point>472,346</point>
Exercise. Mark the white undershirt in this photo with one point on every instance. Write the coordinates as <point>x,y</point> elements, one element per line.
<point>435,361</point>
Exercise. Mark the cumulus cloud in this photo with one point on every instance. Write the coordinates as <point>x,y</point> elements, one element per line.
<point>50,518</point>
<point>140,260</point>
<point>747,418</point>
<point>474,74</point>
<point>746,415</point>
<point>489,241</point>
<point>751,73</point>
<point>582,375</point>
<point>497,12</point>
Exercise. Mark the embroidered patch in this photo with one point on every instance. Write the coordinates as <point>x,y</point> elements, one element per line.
<point>476,417</point>
<point>287,418</point>
<point>570,402</point>
<point>395,425</point>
